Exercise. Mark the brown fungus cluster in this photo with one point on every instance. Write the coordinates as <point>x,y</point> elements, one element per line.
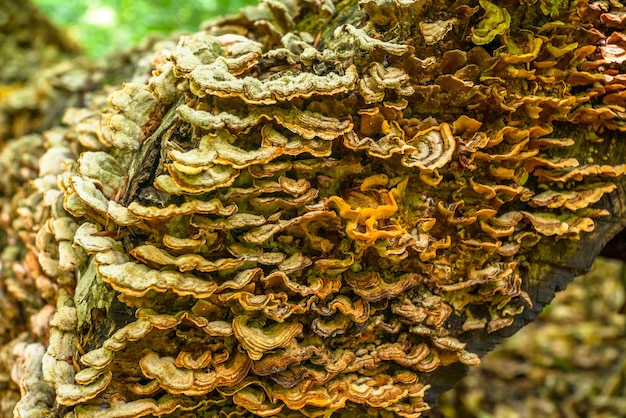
<point>279,226</point>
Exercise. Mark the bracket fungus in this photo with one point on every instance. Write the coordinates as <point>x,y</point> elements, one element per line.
<point>279,226</point>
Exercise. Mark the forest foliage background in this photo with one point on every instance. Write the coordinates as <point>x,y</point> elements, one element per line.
<point>103,26</point>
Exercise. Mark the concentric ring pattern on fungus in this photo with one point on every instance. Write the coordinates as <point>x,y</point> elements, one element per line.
<point>283,226</point>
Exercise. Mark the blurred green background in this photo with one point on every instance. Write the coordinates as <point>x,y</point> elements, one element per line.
<point>102,26</point>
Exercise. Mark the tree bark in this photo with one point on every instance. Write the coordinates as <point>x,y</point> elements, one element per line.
<point>317,207</point>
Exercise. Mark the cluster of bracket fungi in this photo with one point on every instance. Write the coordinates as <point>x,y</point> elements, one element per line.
<point>284,224</point>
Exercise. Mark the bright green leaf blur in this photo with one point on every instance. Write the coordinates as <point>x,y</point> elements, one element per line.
<point>101,26</point>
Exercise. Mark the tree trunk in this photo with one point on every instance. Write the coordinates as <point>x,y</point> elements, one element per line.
<point>318,207</point>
